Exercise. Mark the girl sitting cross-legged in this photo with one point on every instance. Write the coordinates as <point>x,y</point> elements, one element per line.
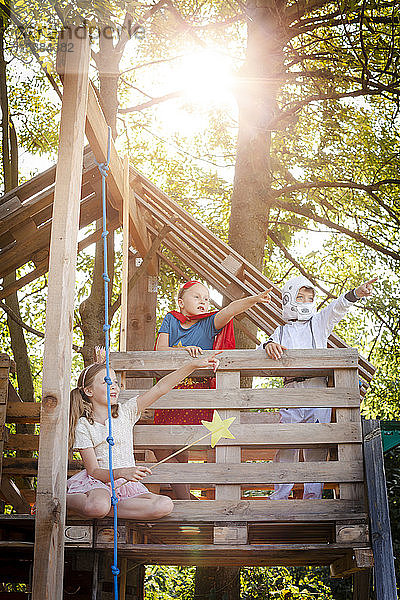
<point>89,492</point>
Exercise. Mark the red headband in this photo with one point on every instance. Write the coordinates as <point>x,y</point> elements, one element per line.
<point>189,284</point>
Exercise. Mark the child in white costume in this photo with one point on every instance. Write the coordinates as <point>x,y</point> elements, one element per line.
<point>306,328</point>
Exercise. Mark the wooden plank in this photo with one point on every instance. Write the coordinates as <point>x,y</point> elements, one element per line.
<point>28,466</point>
<point>231,555</point>
<point>9,207</point>
<point>362,558</point>
<point>13,496</point>
<point>38,241</point>
<point>349,378</point>
<point>24,412</point>
<point>125,259</point>
<point>254,398</point>
<point>224,453</point>
<point>256,473</point>
<point>298,435</point>
<point>78,535</point>
<point>52,469</point>
<point>5,366</point>
<point>362,585</point>
<point>230,534</point>
<point>97,135</point>
<point>265,510</point>
<point>351,533</point>
<point>43,268</point>
<point>381,537</point>
<point>22,441</point>
<point>320,362</point>
<point>137,226</point>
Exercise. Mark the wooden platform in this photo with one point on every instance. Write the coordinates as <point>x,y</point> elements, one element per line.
<point>234,522</point>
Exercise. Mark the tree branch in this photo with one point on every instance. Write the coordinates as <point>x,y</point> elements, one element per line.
<point>294,262</point>
<point>146,260</point>
<point>305,212</point>
<point>336,184</point>
<point>284,115</point>
<point>152,102</point>
<point>19,321</point>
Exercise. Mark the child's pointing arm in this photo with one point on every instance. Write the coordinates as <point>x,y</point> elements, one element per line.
<point>167,383</point>
<point>238,306</point>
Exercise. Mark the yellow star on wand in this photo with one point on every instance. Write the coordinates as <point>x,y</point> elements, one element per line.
<point>219,428</point>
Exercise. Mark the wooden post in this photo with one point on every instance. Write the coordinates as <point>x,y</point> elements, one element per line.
<point>5,363</point>
<point>228,454</point>
<point>381,537</point>
<point>348,378</point>
<point>141,320</point>
<point>52,466</point>
<point>125,258</point>
<point>361,585</point>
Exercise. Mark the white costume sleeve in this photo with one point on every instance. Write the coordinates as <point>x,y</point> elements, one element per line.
<point>275,336</point>
<point>326,319</point>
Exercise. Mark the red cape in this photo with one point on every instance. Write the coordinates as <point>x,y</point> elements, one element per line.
<point>224,340</point>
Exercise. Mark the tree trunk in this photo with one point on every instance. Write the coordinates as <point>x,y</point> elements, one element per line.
<point>217,583</point>
<point>10,170</point>
<point>256,96</point>
<point>92,309</point>
<point>251,197</point>
<point>17,338</point>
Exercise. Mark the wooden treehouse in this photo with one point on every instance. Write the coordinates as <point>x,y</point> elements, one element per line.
<point>232,521</point>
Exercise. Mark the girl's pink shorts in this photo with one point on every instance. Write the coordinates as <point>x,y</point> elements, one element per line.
<point>81,483</point>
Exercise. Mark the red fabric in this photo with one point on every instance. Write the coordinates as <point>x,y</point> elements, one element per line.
<point>225,339</point>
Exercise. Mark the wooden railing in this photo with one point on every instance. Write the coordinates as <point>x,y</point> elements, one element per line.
<point>230,513</point>
<point>257,434</point>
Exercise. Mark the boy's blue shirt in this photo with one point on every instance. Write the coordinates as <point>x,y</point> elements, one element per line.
<point>201,333</point>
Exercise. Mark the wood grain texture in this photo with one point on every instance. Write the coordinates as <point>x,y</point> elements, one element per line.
<point>52,469</point>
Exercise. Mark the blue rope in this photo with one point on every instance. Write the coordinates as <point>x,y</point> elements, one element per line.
<point>104,169</point>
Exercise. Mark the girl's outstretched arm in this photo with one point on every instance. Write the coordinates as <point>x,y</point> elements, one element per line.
<point>238,306</point>
<point>91,465</point>
<point>167,383</point>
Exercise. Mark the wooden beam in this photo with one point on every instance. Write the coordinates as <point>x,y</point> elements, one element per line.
<point>13,496</point>
<point>257,473</point>
<point>349,378</point>
<point>43,268</point>
<point>125,259</point>
<point>295,362</point>
<point>254,398</point>
<point>297,435</point>
<point>97,134</point>
<point>52,468</point>
<point>224,453</point>
<point>381,536</point>
<point>361,558</point>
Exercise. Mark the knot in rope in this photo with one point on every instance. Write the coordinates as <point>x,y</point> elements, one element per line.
<point>106,277</point>
<point>110,440</point>
<point>103,168</point>
<point>114,570</point>
<point>108,379</point>
<point>114,500</point>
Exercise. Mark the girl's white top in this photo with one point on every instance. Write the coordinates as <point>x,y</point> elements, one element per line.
<point>95,436</point>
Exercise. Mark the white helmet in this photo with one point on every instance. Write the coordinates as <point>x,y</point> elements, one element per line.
<point>293,310</point>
